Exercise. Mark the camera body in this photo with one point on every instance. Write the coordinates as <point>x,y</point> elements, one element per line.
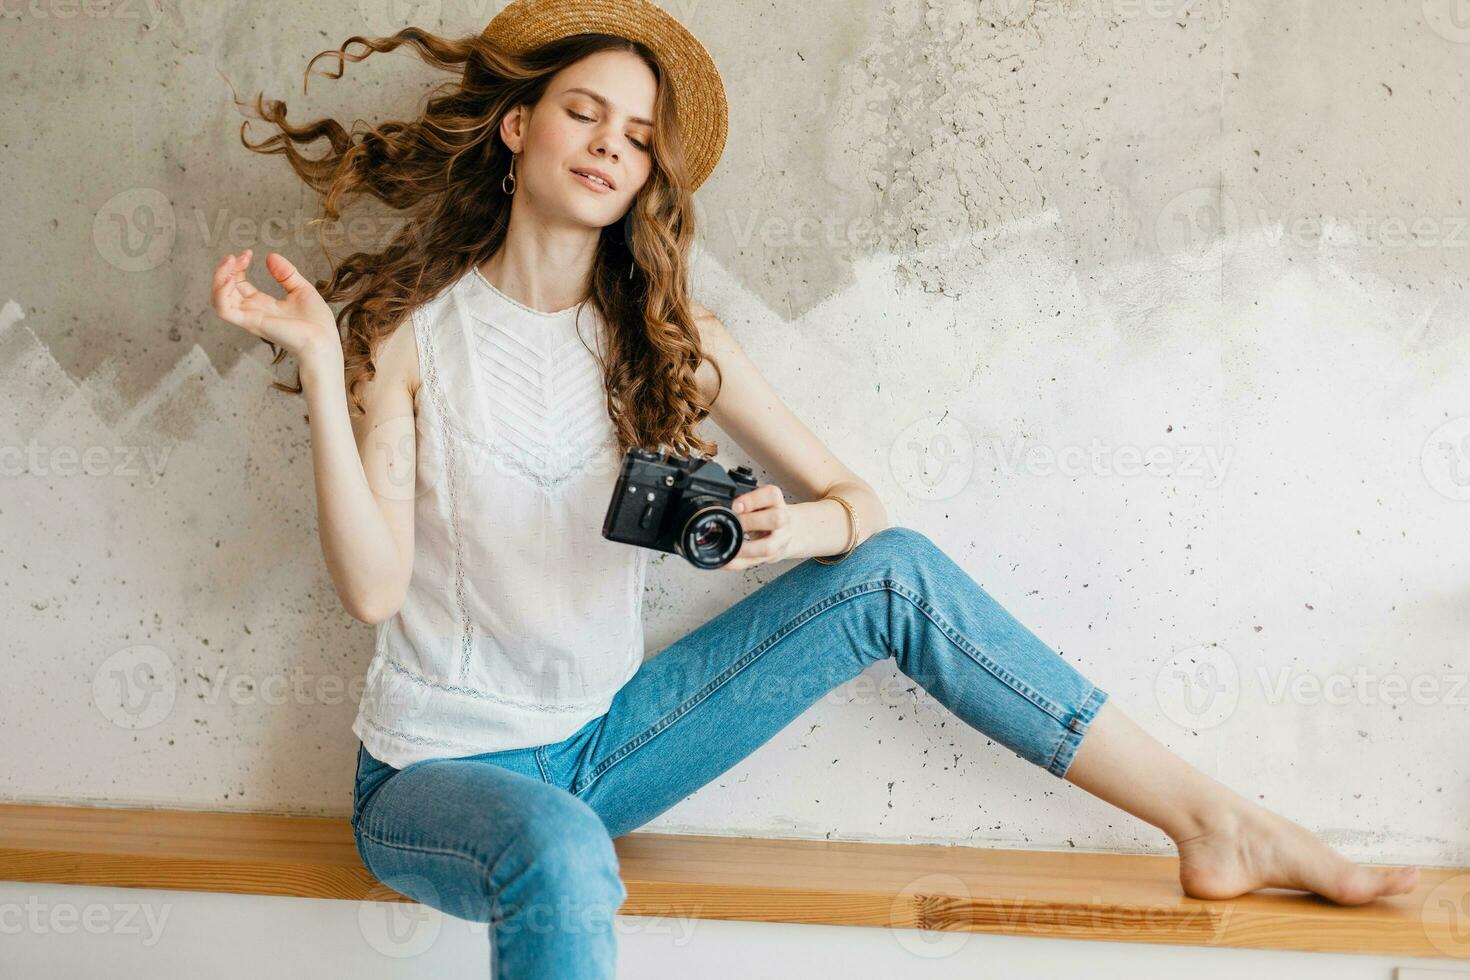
<point>679,505</point>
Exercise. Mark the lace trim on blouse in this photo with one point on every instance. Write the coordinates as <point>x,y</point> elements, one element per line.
<point>479,695</point>
<point>421,739</point>
<point>430,358</point>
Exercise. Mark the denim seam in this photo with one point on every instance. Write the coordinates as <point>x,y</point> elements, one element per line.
<point>479,865</point>
<point>422,848</point>
<point>540,756</point>
<point>789,627</point>
<point>357,785</point>
<point>1076,728</point>
<point>745,659</point>
<point>361,853</point>
<point>979,656</point>
<point>482,866</point>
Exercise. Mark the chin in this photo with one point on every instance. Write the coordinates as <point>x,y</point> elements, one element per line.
<point>591,215</point>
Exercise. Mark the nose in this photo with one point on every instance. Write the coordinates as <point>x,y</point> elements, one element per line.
<point>606,143</point>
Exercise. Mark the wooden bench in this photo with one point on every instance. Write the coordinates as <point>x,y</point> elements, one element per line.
<point>1069,894</point>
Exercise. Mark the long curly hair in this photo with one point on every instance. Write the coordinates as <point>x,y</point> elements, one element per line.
<point>443,172</point>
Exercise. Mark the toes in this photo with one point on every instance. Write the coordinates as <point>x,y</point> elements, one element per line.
<point>1363,885</point>
<point>1399,881</point>
<point>1376,882</point>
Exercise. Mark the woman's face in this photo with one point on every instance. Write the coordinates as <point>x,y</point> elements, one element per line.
<point>596,115</point>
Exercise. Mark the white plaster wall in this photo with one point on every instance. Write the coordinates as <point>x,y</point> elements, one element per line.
<point>963,240</point>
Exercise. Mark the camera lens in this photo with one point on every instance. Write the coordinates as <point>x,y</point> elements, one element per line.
<point>710,536</point>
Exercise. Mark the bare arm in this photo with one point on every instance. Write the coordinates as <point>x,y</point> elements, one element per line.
<point>365,466</point>
<point>365,469</point>
<point>750,410</point>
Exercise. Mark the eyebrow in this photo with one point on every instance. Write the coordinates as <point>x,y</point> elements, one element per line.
<point>602,101</point>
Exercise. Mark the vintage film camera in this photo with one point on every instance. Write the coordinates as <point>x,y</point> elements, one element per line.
<point>678,505</point>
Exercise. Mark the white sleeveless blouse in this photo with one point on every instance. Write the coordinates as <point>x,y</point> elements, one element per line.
<point>521,620</point>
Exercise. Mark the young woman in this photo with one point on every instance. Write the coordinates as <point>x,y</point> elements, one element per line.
<point>465,438</point>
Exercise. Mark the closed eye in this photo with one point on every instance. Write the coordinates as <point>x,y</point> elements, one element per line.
<point>582,118</point>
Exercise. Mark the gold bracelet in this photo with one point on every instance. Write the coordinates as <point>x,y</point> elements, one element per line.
<point>852,538</point>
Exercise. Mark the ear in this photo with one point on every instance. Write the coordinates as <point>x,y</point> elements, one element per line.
<point>512,128</point>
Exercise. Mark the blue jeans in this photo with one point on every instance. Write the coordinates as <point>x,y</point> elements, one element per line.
<point>522,839</point>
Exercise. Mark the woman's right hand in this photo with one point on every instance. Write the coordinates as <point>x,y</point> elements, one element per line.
<point>301,323</point>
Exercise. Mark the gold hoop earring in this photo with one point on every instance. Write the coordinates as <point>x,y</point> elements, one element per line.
<point>510,176</point>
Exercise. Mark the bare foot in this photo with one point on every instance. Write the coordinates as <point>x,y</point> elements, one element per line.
<point>1251,847</point>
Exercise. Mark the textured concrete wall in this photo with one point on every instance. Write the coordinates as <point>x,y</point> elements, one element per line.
<point>1151,312</point>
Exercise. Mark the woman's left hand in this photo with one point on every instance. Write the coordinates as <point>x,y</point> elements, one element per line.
<point>766,517</point>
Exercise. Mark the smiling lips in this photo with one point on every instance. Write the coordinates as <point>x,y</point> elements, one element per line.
<point>587,179</point>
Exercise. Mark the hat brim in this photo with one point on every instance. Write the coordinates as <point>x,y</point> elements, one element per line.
<point>699,92</point>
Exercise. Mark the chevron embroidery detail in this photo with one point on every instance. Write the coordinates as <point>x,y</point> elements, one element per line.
<point>548,407</point>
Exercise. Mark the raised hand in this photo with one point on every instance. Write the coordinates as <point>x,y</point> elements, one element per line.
<point>301,322</point>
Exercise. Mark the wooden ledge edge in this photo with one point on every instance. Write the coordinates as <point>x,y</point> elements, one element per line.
<point>1057,894</point>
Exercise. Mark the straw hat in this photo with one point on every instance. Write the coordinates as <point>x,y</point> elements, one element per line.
<point>699,93</point>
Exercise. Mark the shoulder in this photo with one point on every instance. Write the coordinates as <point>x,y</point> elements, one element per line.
<point>714,336</point>
<point>396,361</point>
<point>400,351</point>
<point>717,345</point>
<point>704,318</point>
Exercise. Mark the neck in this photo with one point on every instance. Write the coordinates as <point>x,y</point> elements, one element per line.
<point>542,266</point>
